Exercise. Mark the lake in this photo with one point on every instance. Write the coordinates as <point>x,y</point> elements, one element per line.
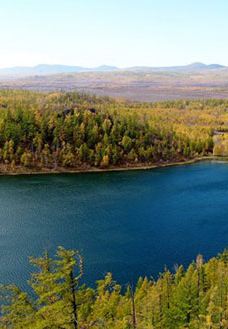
<point>128,223</point>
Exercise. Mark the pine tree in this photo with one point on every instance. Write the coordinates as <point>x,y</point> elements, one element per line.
<point>17,310</point>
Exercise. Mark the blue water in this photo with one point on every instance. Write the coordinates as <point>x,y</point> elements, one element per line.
<point>128,223</point>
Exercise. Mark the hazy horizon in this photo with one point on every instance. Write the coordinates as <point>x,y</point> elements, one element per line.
<point>91,33</point>
<point>109,65</point>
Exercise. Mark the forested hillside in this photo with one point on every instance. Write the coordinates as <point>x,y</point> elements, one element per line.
<point>195,298</point>
<point>68,130</point>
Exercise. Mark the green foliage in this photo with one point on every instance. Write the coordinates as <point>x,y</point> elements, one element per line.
<point>195,298</point>
<point>73,130</point>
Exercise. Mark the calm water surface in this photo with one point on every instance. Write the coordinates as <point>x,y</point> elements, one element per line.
<point>129,223</point>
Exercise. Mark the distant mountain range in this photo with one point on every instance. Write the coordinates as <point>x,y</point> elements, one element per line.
<point>194,67</point>
<point>45,69</point>
<point>137,83</point>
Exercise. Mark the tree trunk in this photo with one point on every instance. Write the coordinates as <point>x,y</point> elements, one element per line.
<point>134,319</point>
<point>74,303</point>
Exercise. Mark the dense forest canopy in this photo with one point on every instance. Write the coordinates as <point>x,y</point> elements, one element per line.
<point>53,130</point>
<point>195,298</point>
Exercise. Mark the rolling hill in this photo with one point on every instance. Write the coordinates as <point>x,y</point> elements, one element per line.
<point>192,81</point>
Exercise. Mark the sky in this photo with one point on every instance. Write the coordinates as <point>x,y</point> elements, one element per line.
<point>123,33</point>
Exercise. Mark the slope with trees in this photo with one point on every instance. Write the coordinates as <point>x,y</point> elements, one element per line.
<point>42,131</point>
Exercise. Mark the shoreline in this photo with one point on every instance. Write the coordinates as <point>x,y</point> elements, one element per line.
<point>19,171</point>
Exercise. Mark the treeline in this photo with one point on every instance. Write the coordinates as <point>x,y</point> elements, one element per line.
<point>75,130</point>
<point>195,299</point>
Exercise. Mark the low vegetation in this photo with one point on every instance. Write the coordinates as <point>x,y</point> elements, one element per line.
<point>70,130</point>
<point>193,299</point>
<point>139,84</point>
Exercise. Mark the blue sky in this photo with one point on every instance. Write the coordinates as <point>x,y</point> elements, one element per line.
<point>120,32</point>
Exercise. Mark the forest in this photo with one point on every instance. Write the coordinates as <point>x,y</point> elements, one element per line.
<point>48,131</point>
<point>195,298</point>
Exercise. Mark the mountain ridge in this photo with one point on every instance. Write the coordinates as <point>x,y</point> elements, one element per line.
<point>48,69</point>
